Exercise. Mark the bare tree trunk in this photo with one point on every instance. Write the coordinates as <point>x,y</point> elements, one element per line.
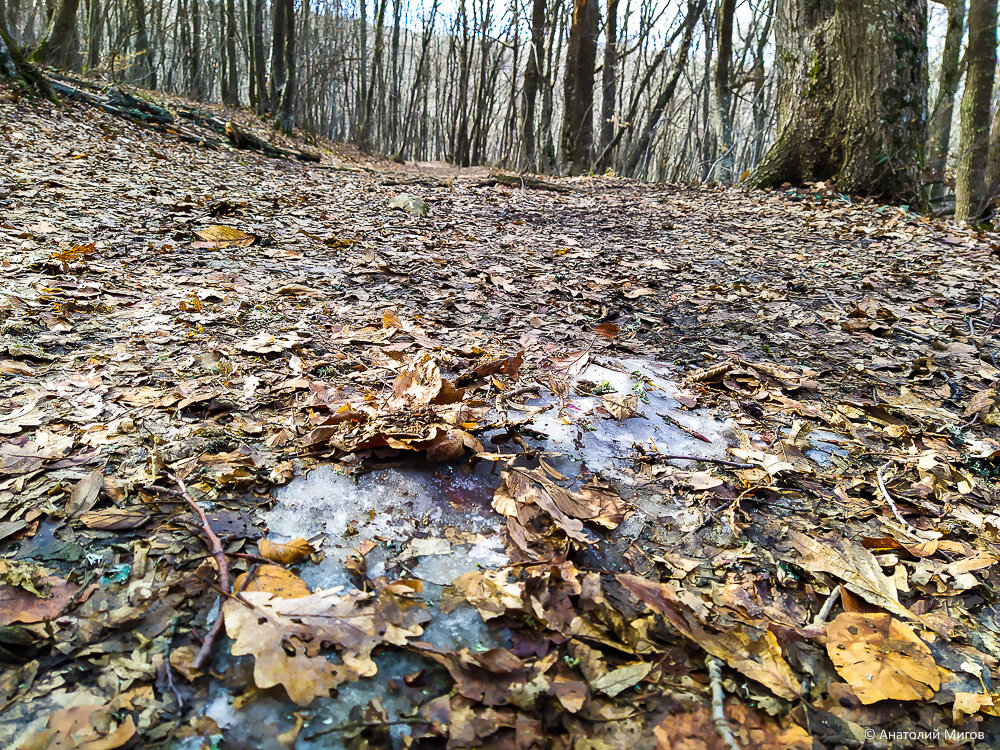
<point>939,129</point>
<point>854,119</point>
<point>230,78</point>
<point>279,73</point>
<point>578,99</point>
<point>195,82</point>
<point>94,28</point>
<point>609,86</point>
<point>722,100</point>
<point>973,147</point>
<point>532,78</point>
<point>287,109</point>
<point>144,71</point>
<point>56,48</point>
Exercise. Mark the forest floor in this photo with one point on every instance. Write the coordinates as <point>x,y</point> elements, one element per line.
<point>504,377</point>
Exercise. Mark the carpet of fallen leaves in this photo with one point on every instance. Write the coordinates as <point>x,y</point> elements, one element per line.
<point>173,315</point>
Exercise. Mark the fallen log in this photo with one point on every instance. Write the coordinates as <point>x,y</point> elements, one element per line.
<point>243,139</point>
<point>523,181</point>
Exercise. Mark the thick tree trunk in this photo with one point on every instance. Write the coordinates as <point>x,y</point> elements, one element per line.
<point>722,93</point>
<point>852,93</point>
<point>609,86</point>
<point>532,78</point>
<point>973,148</point>
<point>56,47</point>
<point>578,102</point>
<point>14,67</point>
<point>939,129</point>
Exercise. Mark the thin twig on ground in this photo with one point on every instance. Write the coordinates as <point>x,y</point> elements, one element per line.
<point>891,503</point>
<point>650,458</point>
<point>215,547</point>
<point>824,613</point>
<point>718,708</point>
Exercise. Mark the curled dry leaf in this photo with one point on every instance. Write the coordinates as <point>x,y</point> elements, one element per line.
<point>881,658</point>
<point>287,637</point>
<point>89,727</point>
<point>285,553</point>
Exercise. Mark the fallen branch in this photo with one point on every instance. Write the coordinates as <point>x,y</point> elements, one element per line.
<point>651,458</point>
<point>243,139</point>
<point>215,547</point>
<point>718,708</point>
<point>523,182</point>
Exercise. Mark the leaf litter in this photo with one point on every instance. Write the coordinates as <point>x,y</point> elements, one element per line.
<point>516,469</point>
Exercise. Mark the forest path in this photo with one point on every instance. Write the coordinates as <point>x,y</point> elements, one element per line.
<point>134,345</point>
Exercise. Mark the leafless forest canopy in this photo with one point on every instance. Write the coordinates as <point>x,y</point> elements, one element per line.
<point>673,90</point>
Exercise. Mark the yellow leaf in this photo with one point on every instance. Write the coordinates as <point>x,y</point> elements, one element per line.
<point>881,658</point>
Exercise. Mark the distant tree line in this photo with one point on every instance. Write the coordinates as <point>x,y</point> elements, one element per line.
<point>767,91</point>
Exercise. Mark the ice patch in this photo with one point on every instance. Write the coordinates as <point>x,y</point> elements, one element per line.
<point>587,439</point>
<point>432,524</point>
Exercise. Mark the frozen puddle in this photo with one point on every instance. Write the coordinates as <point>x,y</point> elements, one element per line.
<point>435,523</point>
<point>585,433</point>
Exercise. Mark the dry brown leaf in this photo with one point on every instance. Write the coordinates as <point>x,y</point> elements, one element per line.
<point>285,553</point>
<point>85,493</point>
<point>881,658</point>
<point>286,637</point>
<point>855,566</point>
<point>219,235</point>
<point>621,407</point>
<point>90,727</point>
<point>753,651</point>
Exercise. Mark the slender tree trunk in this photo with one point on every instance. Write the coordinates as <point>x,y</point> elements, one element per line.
<point>95,26</point>
<point>722,99</point>
<point>637,151</point>
<point>144,69</point>
<point>609,86</point>
<point>973,147</point>
<point>195,81</point>
<point>851,118</point>
<point>939,129</point>
<point>279,73</point>
<point>230,80</point>
<point>288,94</point>
<point>532,78</point>
<point>578,101</point>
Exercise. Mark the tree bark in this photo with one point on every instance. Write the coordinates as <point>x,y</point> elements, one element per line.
<point>939,129</point>
<point>56,47</point>
<point>973,148</point>
<point>287,109</point>
<point>230,79</point>
<point>578,100</point>
<point>609,86</point>
<point>14,67</point>
<point>532,78</point>
<point>722,93</point>
<point>851,118</point>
